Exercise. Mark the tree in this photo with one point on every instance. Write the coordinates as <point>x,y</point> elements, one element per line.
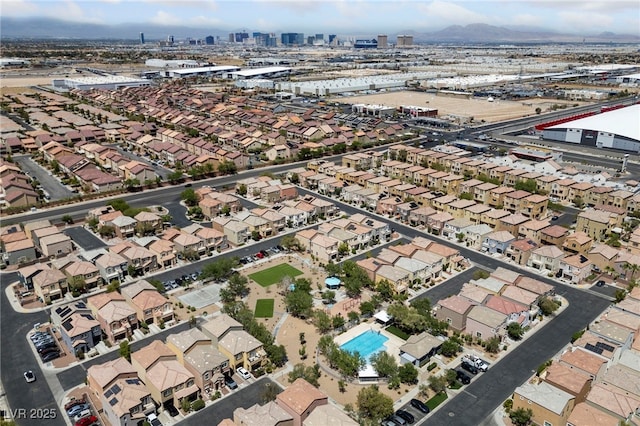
<point>367,309</point>
<point>175,177</point>
<point>337,322</point>
<point>277,354</point>
<point>77,283</point>
<point>329,296</point>
<point>238,285</point>
<point>480,274</point>
<point>493,345</point>
<point>119,204</point>
<point>55,166</point>
<point>529,185</point>
<point>466,196</point>
<point>438,383</point>
<point>521,416</point>
<point>299,303</point>
<point>354,278</point>
<point>385,290</point>
<point>67,219</point>
<point>242,189</point>
<point>515,331</point>
<point>269,393</point>
<point>125,350</point>
<point>219,269</point>
<point>548,306</point>
<point>578,202</point>
<point>373,406</point>
<point>384,364</point>
<point>227,168</point>
<point>449,348</point>
<point>294,178</point>
<point>343,248</point>
<point>538,110</point>
<point>290,243</point>
<point>107,231</point>
<point>322,321</point>
<point>407,373</point>
<point>189,197</point>
<point>310,374</point>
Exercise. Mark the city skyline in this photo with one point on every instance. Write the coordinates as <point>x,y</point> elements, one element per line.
<point>341,16</point>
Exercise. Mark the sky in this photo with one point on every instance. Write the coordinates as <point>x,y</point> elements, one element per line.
<point>342,16</point>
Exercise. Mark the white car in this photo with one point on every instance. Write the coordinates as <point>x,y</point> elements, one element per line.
<point>29,376</point>
<point>243,373</point>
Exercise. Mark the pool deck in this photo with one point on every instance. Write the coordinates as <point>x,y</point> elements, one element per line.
<point>392,345</point>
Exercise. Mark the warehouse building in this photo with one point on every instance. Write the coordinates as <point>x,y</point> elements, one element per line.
<point>105,82</point>
<point>266,72</point>
<point>617,129</point>
<point>220,70</point>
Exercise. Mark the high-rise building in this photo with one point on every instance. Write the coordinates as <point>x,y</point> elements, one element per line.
<point>208,40</point>
<point>170,39</point>
<point>311,40</point>
<point>232,37</point>
<point>404,40</point>
<point>141,38</point>
<point>332,37</point>
<point>319,37</point>
<point>241,37</point>
<point>292,39</point>
<point>382,41</point>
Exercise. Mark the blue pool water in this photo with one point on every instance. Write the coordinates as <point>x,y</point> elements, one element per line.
<point>365,344</point>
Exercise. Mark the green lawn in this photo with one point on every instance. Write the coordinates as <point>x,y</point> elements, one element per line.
<point>436,400</point>
<point>275,274</point>
<point>264,308</point>
<point>397,332</point>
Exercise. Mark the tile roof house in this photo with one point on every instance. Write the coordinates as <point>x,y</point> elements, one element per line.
<point>167,379</point>
<point>546,259</point>
<point>418,349</point>
<point>102,376</point>
<point>151,307</point>
<point>454,310</point>
<point>566,379</point>
<point>584,361</point>
<point>300,399</point>
<point>328,415</point>
<point>614,401</point>
<point>575,269</point>
<point>194,350</point>
<point>79,330</point>
<point>126,402</point>
<point>50,285</point>
<point>584,413</point>
<point>240,348</point>
<point>117,319</point>
<point>485,323</point>
<point>269,414</point>
<point>548,403</point>
<point>497,242</point>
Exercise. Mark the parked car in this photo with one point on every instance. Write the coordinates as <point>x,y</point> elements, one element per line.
<point>479,363</point>
<point>50,356</point>
<point>407,416</point>
<point>397,420</point>
<point>46,348</point>
<point>77,409</point>
<point>29,376</point>
<point>467,365</point>
<point>173,411</point>
<point>82,415</point>
<point>600,283</point>
<point>231,384</point>
<point>69,405</point>
<point>419,405</point>
<point>464,379</point>
<point>242,372</point>
<point>87,421</point>
<point>264,253</point>
<point>259,255</point>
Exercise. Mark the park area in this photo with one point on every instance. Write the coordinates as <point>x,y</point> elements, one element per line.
<point>264,308</point>
<point>275,274</point>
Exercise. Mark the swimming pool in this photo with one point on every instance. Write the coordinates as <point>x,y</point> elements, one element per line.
<point>365,344</point>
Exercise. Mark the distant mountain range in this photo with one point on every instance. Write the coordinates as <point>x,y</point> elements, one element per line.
<point>45,28</point>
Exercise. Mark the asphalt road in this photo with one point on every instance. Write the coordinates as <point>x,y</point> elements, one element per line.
<point>160,171</point>
<point>16,357</point>
<point>54,188</point>
<point>84,238</point>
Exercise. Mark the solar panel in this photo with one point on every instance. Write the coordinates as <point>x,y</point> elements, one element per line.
<point>108,393</point>
<point>592,348</point>
<point>115,389</point>
<point>132,381</point>
<point>605,346</point>
<point>113,402</point>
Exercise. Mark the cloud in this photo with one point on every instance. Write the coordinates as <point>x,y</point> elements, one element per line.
<point>526,19</point>
<point>579,21</point>
<point>446,13</point>
<point>164,18</point>
<point>298,7</point>
<point>19,8</point>
<point>205,21</point>
<point>182,4</point>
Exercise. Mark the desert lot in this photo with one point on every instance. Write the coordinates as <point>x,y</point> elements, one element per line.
<point>479,109</point>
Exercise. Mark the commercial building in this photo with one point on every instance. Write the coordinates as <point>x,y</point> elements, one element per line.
<point>107,82</point>
<point>383,42</point>
<point>211,71</point>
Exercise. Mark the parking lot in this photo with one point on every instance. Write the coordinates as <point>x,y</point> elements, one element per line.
<point>50,184</point>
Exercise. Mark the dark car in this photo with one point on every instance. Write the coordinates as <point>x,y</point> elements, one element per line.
<point>69,405</point>
<point>397,420</point>
<point>407,416</point>
<point>45,351</point>
<point>419,405</point>
<point>46,348</point>
<point>50,356</point>
<point>264,253</point>
<point>600,283</point>
<point>463,377</point>
<point>554,217</point>
<point>469,367</point>
<point>173,411</point>
<point>231,384</point>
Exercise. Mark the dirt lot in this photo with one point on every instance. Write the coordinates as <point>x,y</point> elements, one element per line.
<point>479,109</point>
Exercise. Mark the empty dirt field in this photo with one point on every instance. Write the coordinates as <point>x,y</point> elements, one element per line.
<point>461,108</point>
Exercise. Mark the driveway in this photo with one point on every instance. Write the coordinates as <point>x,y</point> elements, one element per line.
<point>54,188</point>
<point>244,397</point>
